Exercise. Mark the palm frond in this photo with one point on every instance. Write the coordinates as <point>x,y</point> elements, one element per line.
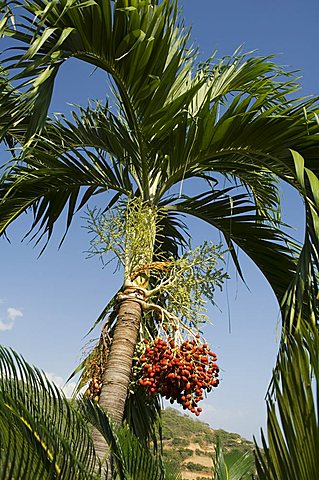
<point>292,411</point>
<point>45,436</point>
<point>140,463</point>
<point>138,43</point>
<point>231,86</point>
<point>231,466</point>
<point>248,141</point>
<point>241,224</point>
<point>50,183</point>
<point>42,435</point>
<point>301,299</point>
<point>14,114</point>
<point>132,460</point>
<point>96,127</point>
<point>142,414</point>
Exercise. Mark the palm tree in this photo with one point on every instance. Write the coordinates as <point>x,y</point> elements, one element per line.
<point>227,124</point>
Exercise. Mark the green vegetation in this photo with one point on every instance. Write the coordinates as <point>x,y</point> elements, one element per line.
<point>201,453</point>
<point>232,465</point>
<point>176,456</point>
<point>238,129</point>
<point>182,427</point>
<point>180,431</point>
<point>44,436</point>
<point>170,118</point>
<point>195,467</point>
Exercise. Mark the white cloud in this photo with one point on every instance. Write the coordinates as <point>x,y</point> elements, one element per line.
<point>67,388</point>
<point>13,313</point>
<point>6,326</point>
<point>9,321</point>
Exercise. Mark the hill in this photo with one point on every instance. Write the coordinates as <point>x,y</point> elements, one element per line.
<point>190,444</point>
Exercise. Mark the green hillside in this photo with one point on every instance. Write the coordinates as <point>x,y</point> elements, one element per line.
<point>189,444</point>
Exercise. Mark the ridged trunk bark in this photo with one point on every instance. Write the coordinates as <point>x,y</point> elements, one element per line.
<point>118,370</point>
<point>119,365</point>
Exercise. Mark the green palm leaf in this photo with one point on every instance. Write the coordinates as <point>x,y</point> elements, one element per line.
<point>142,414</point>
<point>42,435</point>
<point>292,411</point>
<point>132,459</point>
<point>45,436</point>
<point>138,43</point>
<point>238,219</point>
<point>37,184</point>
<point>301,299</point>
<point>230,466</point>
<point>249,141</point>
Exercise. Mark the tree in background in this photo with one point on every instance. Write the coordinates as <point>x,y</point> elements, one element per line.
<point>228,125</point>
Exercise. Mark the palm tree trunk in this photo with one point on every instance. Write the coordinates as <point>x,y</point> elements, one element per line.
<point>118,370</point>
<point>119,365</point>
<point>139,245</point>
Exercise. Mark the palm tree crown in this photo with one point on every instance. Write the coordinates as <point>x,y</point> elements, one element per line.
<point>174,121</point>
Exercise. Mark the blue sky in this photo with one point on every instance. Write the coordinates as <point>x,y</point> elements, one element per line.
<point>48,304</point>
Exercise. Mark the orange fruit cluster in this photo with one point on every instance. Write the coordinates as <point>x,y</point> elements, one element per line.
<point>179,373</point>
